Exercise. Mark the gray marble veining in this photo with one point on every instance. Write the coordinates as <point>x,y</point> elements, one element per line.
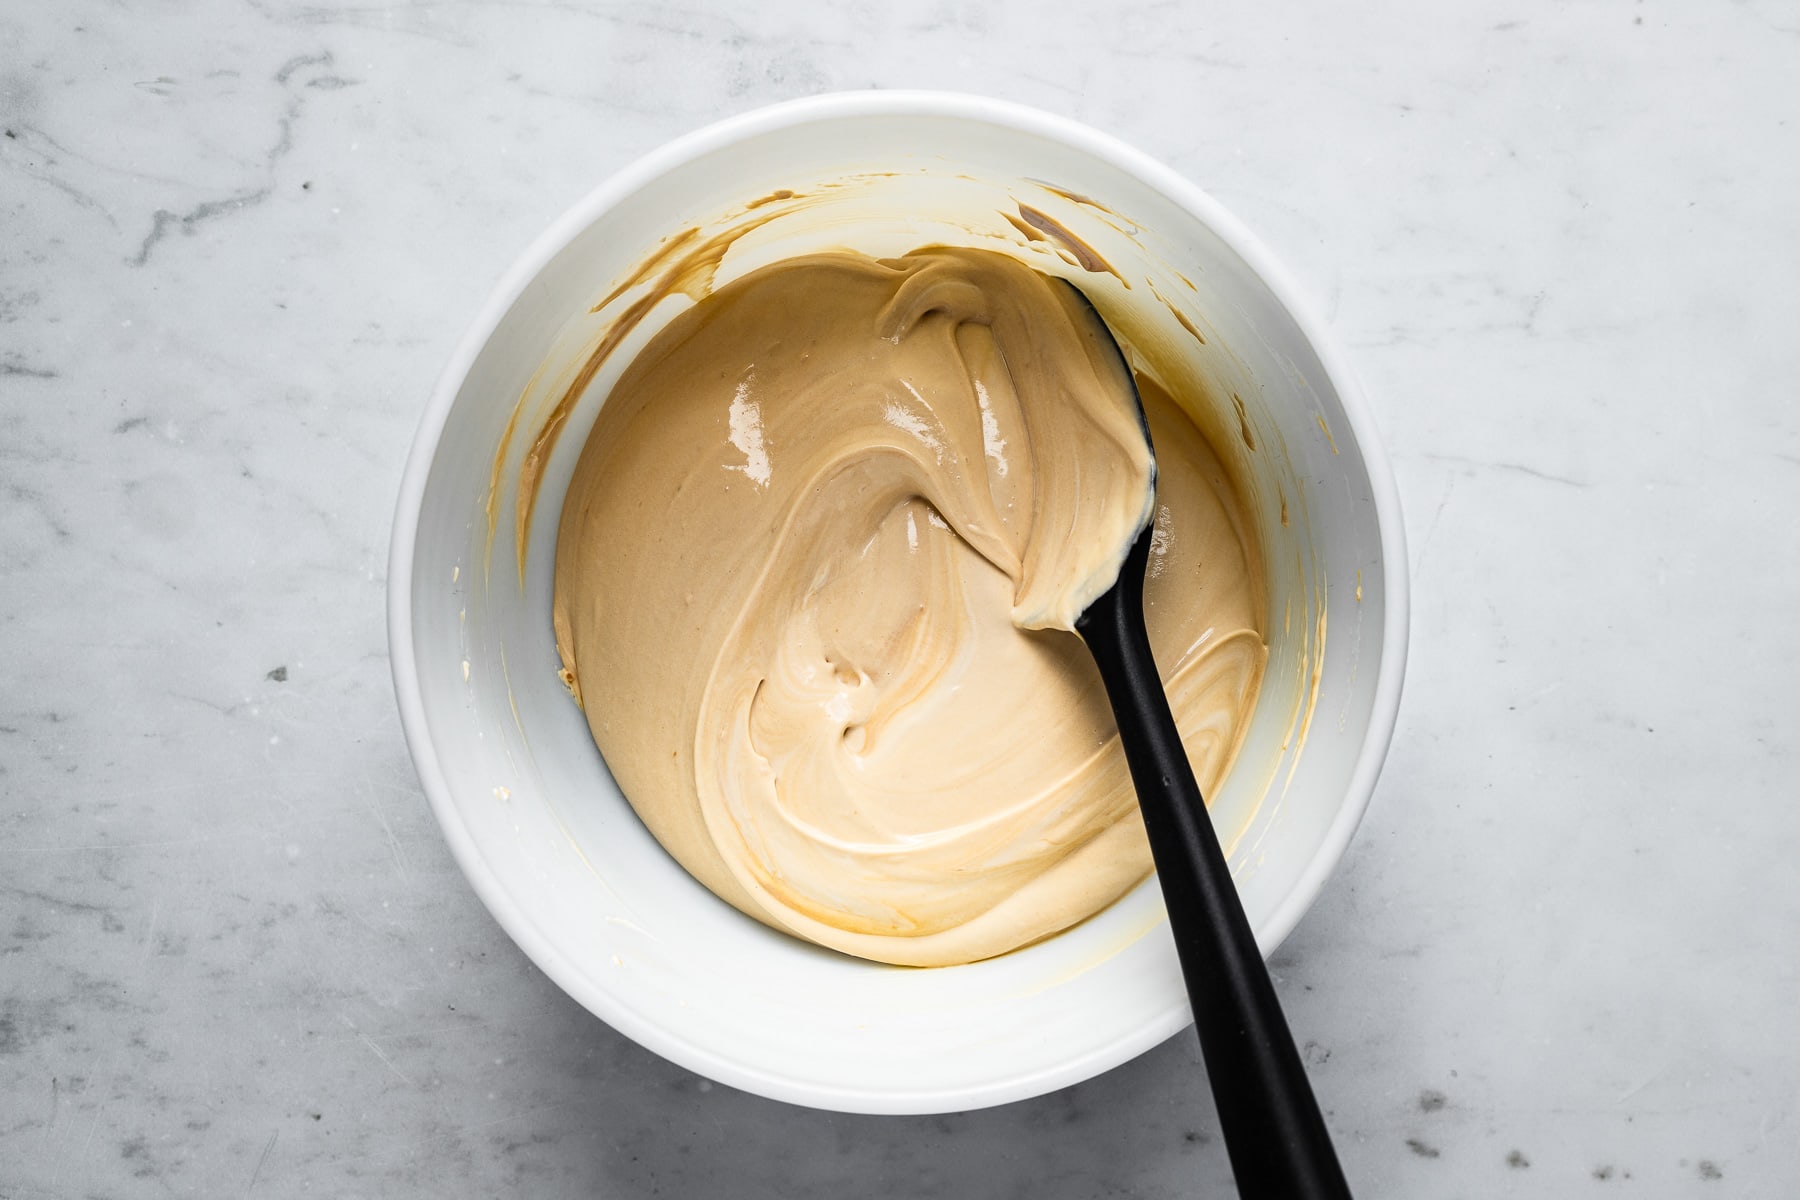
<point>238,242</point>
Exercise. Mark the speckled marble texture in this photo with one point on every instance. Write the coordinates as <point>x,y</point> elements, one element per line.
<point>238,242</point>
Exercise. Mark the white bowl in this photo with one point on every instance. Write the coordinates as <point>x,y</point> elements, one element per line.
<point>523,796</point>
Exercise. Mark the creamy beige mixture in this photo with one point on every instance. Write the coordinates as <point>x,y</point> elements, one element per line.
<point>814,580</point>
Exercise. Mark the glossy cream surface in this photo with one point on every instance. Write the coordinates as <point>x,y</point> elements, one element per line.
<point>815,579</point>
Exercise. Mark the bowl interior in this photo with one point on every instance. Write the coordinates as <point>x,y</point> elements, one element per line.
<point>524,796</point>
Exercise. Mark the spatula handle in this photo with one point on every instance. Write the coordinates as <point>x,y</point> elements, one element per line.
<point>1277,1140</point>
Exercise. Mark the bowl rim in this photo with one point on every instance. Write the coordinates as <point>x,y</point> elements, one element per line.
<point>673,154</point>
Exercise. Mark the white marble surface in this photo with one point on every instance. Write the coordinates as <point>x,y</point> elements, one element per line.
<point>238,242</point>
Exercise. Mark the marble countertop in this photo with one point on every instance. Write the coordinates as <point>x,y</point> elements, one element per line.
<point>1563,954</point>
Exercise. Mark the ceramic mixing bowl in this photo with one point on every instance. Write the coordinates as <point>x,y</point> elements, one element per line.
<point>506,759</point>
